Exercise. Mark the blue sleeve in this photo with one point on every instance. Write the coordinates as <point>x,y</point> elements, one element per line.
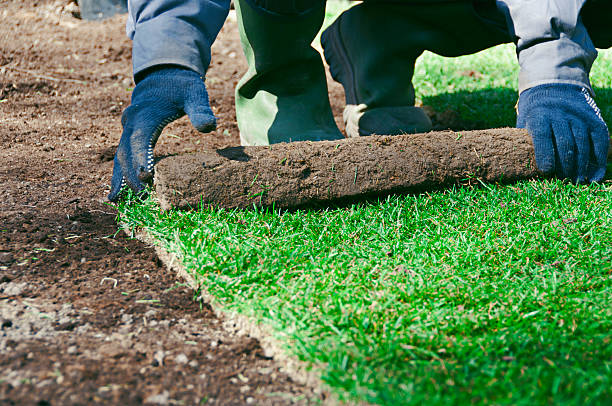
<point>553,44</point>
<point>179,32</point>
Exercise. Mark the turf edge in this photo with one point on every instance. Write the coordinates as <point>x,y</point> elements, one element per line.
<point>235,323</point>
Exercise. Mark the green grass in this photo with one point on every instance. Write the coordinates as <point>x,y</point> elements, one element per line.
<point>334,8</point>
<point>498,294</point>
<point>489,97</point>
<point>489,295</point>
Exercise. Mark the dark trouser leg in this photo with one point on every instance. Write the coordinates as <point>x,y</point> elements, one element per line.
<point>283,96</point>
<point>596,15</point>
<point>372,47</point>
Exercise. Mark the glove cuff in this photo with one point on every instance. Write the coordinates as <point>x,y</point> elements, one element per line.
<point>165,70</point>
<point>563,92</point>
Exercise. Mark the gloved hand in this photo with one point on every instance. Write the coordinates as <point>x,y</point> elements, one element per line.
<point>570,137</point>
<point>161,97</point>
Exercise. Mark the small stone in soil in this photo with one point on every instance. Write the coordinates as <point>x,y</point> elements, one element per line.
<point>6,258</point>
<point>13,289</point>
<point>181,359</point>
<point>159,399</point>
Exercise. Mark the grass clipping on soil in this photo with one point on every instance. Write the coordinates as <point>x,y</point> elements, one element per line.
<point>305,173</point>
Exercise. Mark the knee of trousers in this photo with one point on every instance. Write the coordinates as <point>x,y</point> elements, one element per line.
<point>287,8</point>
<point>596,15</point>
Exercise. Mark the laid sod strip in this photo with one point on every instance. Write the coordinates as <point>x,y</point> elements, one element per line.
<point>492,295</point>
<point>302,173</point>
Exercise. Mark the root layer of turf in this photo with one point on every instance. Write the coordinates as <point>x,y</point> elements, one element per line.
<point>305,173</point>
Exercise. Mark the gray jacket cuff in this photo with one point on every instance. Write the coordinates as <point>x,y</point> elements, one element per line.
<point>552,42</point>
<point>179,32</point>
<point>557,61</point>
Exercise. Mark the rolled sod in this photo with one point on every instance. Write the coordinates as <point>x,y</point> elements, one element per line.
<point>312,173</point>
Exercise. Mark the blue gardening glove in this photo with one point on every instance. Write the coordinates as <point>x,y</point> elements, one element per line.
<point>570,137</point>
<point>161,97</point>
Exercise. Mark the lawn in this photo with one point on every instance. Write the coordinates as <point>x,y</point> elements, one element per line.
<point>489,294</point>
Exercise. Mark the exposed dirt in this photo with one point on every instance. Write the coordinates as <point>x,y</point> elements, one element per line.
<point>87,315</point>
<point>305,173</point>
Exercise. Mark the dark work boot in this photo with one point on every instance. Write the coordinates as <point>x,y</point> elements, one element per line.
<point>372,48</point>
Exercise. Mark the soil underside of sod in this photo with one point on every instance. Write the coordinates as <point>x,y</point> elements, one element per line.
<point>306,173</point>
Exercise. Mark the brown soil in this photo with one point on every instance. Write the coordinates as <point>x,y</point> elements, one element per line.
<point>87,315</point>
<point>303,173</point>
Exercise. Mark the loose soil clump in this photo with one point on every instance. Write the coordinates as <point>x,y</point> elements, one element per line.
<point>306,173</point>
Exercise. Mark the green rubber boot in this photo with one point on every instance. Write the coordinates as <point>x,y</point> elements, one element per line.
<point>372,47</point>
<point>283,97</point>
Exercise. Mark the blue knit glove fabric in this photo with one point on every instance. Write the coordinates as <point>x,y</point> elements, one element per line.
<point>570,137</point>
<point>161,97</point>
